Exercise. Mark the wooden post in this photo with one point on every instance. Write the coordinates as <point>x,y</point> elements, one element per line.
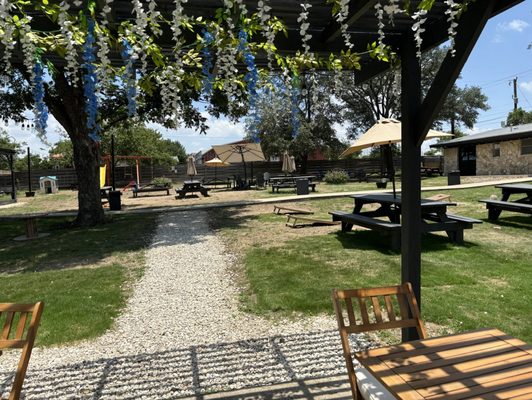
<point>411,173</point>
<point>13,188</point>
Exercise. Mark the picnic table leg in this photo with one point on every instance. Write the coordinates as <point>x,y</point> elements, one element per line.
<point>493,213</point>
<point>31,228</point>
<point>346,226</point>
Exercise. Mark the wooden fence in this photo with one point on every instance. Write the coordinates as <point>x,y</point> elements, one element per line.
<point>67,176</point>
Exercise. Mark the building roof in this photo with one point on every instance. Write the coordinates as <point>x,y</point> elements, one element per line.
<point>7,151</point>
<point>495,135</point>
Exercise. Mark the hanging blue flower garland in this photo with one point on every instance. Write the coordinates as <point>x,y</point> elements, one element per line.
<point>41,111</point>
<point>251,78</point>
<point>89,82</point>
<point>294,106</point>
<point>131,87</point>
<point>208,39</point>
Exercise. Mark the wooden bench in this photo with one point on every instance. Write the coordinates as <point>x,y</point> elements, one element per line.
<point>291,185</point>
<point>181,193</point>
<point>495,207</point>
<point>151,189</point>
<point>294,221</point>
<point>387,228</point>
<point>290,210</point>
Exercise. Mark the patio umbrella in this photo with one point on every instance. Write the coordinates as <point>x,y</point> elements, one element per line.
<point>191,167</point>
<point>239,152</point>
<point>293,162</point>
<point>384,133</point>
<point>216,162</point>
<point>288,166</point>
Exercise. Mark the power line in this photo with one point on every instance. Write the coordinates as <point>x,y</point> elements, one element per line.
<point>486,83</point>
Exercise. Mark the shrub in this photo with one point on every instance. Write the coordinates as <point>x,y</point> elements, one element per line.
<point>161,181</point>
<point>336,176</point>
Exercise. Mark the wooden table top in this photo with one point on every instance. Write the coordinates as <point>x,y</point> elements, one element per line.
<point>519,187</point>
<point>480,364</point>
<point>387,198</point>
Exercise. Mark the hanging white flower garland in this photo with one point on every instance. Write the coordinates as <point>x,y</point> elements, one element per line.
<point>341,18</point>
<point>420,16</point>
<point>391,9</point>
<point>264,13</point>
<point>103,47</point>
<point>71,54</point>
<point>379,14</point>
<point>154,15</point>
<point>178,17</point>
<point>304,26</point>
<point>139,30</point>
<point>452,12</point>
<point>6,24</point>
<point>28,48</point>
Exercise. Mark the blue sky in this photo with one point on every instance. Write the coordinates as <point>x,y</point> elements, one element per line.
<point>500,55</point>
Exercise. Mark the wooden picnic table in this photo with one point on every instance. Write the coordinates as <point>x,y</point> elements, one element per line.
<point>191,187</point>
<point>434,217</point>
<point>522,205</point>
<point>483,364</point>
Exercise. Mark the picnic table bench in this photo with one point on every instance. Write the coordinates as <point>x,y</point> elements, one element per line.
<point>151,188</point>
<point>290,185</point>
<point>215,182</point>
<point>191,187</point>
<point>523,205</point>
<point>31,224</point>
<point>389,229</point>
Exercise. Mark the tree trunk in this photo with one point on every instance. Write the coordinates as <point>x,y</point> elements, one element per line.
<point>68,109</point>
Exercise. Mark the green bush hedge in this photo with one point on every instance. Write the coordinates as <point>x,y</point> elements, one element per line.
<point>336,176</point>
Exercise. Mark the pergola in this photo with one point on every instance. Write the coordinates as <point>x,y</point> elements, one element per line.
<point>10,154</point>
<point>417,113</point>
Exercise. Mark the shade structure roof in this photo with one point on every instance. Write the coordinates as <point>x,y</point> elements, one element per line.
<point>386,131</point>
<point>325,31</point>
<point>7,151</point>
<point>239,152</point>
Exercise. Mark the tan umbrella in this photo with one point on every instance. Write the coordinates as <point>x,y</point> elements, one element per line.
<point>287,167</point>
<point>293,162</point>
<point>191,167</point>
<point>216,162</point>
<point>239,152</point>
<point>384,133</point>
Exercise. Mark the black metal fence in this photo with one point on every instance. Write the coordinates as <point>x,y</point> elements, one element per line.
<point>67,176</point>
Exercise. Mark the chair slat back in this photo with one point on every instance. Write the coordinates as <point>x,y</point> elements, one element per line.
<point>16,332</point>
<point>378,308</point>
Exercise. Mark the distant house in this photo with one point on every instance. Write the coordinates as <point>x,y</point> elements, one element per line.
<point>198,157</point>
<point>505,151</point>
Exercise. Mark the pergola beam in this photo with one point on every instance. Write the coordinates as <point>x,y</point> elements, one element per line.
<point>470,27</point>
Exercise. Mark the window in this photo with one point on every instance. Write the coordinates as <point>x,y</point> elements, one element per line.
<point>496,150</point>
<point>526,146</point>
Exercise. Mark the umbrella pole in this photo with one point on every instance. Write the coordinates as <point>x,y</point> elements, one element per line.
<point>245,171</point>
<point>390,168</point>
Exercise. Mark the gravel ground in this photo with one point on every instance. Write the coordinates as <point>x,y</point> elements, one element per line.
<point>182,333</point>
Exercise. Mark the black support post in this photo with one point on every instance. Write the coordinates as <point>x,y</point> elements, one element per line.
<point>411,172</point>
<point>13,188</point>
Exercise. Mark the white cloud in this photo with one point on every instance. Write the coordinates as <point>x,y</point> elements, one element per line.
<point>497,39</point>
<point>517,25</point>
<point>526,86</point>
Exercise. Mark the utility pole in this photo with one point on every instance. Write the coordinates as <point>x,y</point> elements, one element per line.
<point>516,100</point>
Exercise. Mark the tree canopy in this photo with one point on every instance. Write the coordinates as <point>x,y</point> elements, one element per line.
<point>519,117</point>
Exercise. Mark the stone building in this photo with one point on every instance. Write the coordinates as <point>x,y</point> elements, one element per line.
<point>505,151</point>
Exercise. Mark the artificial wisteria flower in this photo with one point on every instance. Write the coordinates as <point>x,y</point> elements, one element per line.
<point>178,18</point>
<point>304,27</point>
<point>420,16</point>
<point>169,82</point>
<point>208,79</point>
<point>89,82</point>
<point>139,29</point>
<point>341,18</point>
<point>66,26</point>
<point>6,24</point>
<point>130,78</point>
<point>452,11</point>
<point>28,48</point>
<point>391,9</point>
<point>40,109</point>
<point>251,78</point>
<point>379,13</point>
<point>103,47</point>
<point>264,14</point>
<point>154,15</point>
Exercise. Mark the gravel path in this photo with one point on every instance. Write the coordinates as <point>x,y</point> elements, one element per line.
<point>182,333</point>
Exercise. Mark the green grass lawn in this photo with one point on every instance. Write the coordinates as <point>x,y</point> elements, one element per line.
<point>82,274</point>
<point>485,283</point>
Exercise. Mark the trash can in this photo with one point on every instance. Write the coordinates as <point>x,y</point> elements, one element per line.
<point>302,186</point>
<point>114,200</point>
<point>453,178</point>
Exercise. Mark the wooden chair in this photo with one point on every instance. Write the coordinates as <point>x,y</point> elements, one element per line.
<point>17,333</point>
<point>400,311</point>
